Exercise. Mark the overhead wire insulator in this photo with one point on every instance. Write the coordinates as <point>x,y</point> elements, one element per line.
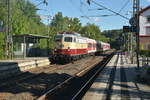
<point>89,2</point>
<point>45,2</point>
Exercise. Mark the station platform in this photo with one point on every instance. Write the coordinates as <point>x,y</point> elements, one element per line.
<point>13,67</point>
<point>119,81</point>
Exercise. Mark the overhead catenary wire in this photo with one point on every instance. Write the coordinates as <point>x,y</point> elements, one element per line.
<point>81,5</point>
<point>96,9</point>
<point>126,3</point>
<point>109,10</point>
<point>100,15</point>
<point>80,9</point>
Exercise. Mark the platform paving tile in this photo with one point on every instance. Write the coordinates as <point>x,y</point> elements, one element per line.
<point>98,88</point>
<point>123,86</point>
<point>116,93</point>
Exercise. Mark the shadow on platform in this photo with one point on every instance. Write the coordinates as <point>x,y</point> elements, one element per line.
<point>127,90</point>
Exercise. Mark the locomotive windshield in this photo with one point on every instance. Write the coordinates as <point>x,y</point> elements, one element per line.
<point>68,39</point>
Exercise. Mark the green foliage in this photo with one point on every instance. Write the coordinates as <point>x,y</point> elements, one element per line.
<point>93,31</point>
<point>25,20</point>
<point>148,70</point>
<point>62,23</point>
<point>141,46</point>
<point>145,53</point>
<point>114,37</point>
<point>1,45</point>
<point>2,18</point>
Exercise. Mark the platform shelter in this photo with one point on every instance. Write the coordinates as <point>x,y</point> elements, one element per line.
<point>26,45</point>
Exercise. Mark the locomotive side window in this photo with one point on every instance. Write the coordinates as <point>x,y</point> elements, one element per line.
<point>68,39</point>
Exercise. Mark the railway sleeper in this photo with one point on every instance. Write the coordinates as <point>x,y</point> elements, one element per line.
<point>69,88</point>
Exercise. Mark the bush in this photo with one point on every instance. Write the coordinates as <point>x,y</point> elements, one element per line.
<point>145,53</point>
<point>1,45</point>
<point>148,70</point>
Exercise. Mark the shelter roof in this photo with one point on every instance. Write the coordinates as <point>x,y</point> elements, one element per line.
<point>31,36</point>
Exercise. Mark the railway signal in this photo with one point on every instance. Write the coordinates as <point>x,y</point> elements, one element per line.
<point>129,28</point>
<point>88,1</point>
<point>133,21</point>
<point>126,28</point>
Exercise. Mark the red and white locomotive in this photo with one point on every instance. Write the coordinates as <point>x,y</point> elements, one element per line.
<point>72,46</point>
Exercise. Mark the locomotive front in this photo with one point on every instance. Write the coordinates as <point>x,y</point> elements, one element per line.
<point>64,47</point>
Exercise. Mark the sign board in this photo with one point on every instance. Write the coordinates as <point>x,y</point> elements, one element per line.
<point>129,29</point>
<point>133,29</point>
<point>126,28</point>
<point>133,21</point>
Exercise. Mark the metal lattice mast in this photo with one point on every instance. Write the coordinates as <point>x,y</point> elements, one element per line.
<point>136,9</point>
<point>9,46</point>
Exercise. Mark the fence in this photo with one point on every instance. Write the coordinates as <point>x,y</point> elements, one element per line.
<point>144,61</point>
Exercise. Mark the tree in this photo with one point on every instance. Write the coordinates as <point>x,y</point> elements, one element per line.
<point>93,31</point>
<point>114,37</point>
<point>74,24</point>
<point>58,22</point>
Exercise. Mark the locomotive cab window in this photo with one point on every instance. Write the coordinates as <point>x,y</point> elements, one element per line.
<point>68,39</point>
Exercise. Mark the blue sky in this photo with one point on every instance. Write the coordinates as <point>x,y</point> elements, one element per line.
<point>78,8</point>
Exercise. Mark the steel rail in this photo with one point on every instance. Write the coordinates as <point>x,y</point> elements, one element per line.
<point>65,85</point>
<point>83,71</point>
<point>77,95</point>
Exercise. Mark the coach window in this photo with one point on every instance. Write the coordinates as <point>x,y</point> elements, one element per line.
<point>68,39</point>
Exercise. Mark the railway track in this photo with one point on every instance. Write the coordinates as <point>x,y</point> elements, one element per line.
<point>74,87</point>
<point>32,85</point>
<point>28,75</point>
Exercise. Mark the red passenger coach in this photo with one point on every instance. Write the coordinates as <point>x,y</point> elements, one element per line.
<point>105,46</point>
<point>91,46</point>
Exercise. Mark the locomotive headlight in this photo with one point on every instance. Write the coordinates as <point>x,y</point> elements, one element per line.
<point>68,48</point>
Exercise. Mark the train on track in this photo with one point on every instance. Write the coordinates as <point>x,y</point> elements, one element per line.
<point>72,46</point>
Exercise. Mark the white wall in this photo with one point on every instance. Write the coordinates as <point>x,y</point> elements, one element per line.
<point>143,22</point>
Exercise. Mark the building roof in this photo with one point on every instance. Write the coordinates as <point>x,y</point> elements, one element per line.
<point>31,36</point>
<point>144,9</point>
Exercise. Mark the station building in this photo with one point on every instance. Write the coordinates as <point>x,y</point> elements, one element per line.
<point>145,28</point>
